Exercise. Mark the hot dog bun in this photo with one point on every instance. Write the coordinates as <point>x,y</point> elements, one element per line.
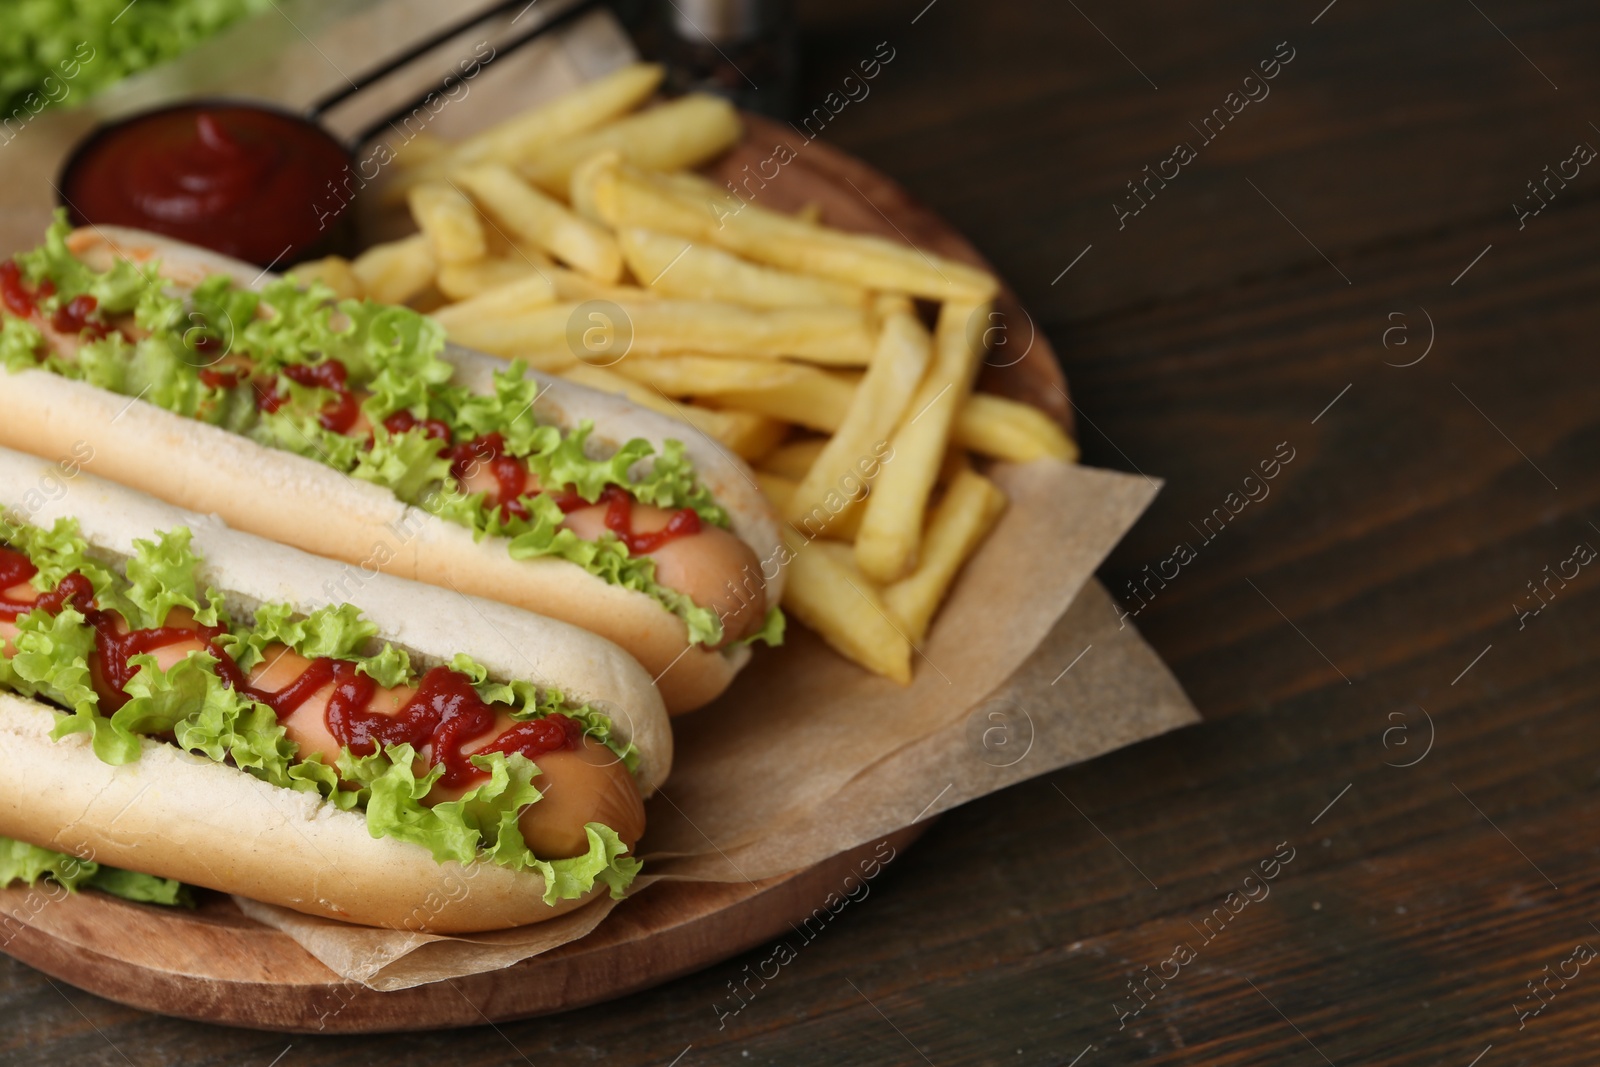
<point>300,501</point>
<point>182,816</point>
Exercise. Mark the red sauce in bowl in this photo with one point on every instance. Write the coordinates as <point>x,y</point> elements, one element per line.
<point>241,179</point>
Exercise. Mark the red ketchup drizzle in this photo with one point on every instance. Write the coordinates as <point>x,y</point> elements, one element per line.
<point>445,714</point>
<point>619,519</point>
<point>510,473</point>
<point>285,700</point>
<point>549,734</point>
<point>73,318</point>
<point>16,568</point>
<point>214,377</point>
<point>70,318</point>
<point>268,399</point>
<point>343,410</point>
<point>113,651</point>
<point>512,481</point>
<point>220,379</point>
<point>14,292</point>
<point>403,420</point>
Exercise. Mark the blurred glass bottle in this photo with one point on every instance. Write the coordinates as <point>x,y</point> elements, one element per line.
<point>745,50</point>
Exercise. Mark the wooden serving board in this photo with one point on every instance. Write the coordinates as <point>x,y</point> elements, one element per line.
<point>214,964</point>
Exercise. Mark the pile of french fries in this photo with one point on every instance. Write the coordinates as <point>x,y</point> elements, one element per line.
<point>576,237</point>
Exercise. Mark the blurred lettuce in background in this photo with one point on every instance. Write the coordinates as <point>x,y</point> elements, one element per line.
<point>55,40</point>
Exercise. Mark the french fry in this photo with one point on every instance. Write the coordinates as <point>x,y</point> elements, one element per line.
<point>521,136</point>
<point>538,334</point>
<point>794,392</point>
<point>960,522</point>
<point>577,288</point>
<point>780,491</point>
<point>686,375</point>
<point>463,281</point>
<point>891,528</point>
<point>449,221</point>
<point>534,217</point>
<point>747,436</point>
<point>1008,429</point>
<point>860,444</point>
<point>687,132</point>
<point>532,291</point>
<point>846,526</point>
<point>586,178</point>
<point>573,237</point>
<point>826,592</point>
<point>395,272</point>
<point>334,272</point>
<point>838,336</point>
<point>675,266</point>
<point>624,197</point>
<point>503,246</point>
<point>629,197</point>
<point>835,336</point>
<point>418,149</point>
<point>806,399</point>
<point>775,487</point>
<point>794,458</point>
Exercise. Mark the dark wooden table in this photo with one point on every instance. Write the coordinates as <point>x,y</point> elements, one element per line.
<point>1359,617</point>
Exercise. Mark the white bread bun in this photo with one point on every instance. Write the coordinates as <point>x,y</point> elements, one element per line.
<point>186,817</point>
<point>300,501</point>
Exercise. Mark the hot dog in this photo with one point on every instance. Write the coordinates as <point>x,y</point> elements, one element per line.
<point>351,430</point>
<point>180,700</point>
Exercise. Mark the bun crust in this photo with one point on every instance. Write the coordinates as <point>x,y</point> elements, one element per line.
<point>299,501</point>
<point>183,816</point>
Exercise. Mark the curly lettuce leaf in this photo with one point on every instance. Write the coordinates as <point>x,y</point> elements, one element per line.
<point>541,534</point>
<point>204,715</point>
<point>527,701</point>
<point>507,410</point>
<point>22,862</point>
<point>407,464</point>
<point>52,663</point>
<point>144,888</point>
<point>218,311</point>
<point>390,351</point>
<point>60,53</point>
<point>296,427</point>
<point>338,630</point>
<point>772,629</point>
<point>312,775</point>
<point>562,459</point>
<point>158,369</point>
<point>57,552</point>
<point>115,290</point>
<point>162,575</point>
<point>483,822</point>
<point>603,863</point>
<point>21,344</point>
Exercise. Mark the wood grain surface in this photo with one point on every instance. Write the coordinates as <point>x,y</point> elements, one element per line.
<point>1376,582</point>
